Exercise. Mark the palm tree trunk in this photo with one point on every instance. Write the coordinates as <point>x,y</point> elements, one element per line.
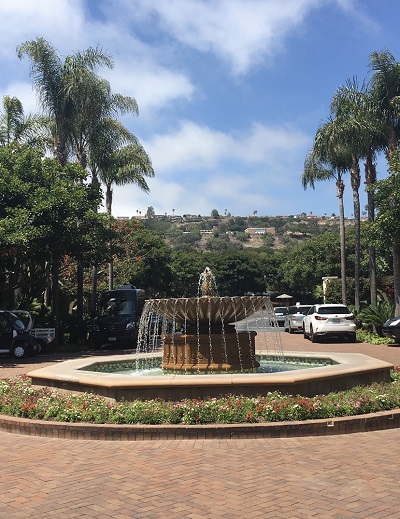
<point>111,264</point>
<point>372,253</point>
<point>396,276</point>
<point>340,191</point>
<point>370,178</point>
<point>355,184</point>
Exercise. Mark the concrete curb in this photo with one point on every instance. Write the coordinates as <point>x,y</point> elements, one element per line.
<point>110,432</point>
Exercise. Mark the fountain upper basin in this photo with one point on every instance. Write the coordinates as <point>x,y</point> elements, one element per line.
<point>207,309</point>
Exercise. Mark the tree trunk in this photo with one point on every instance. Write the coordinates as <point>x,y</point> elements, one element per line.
<point>55,294</point>
<point>340,191</point>
<point>93,306</point>
<point>355,184</point>
<point>111,264</point>
<point>111,273</point>
<point>79,291</point>
<point>370,178</point>
<point>396,276</point>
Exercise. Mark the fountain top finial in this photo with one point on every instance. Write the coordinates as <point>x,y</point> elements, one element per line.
<point>207,284</point>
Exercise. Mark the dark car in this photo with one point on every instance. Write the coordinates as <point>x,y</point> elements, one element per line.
<point>391,328</point>
<point>15,338</point>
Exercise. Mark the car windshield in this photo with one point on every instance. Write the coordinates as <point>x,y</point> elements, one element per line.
<point>299,309</point>
<point>117,304</point>
<point>16,321</point>
<point>281,310</point>
<point>333,310</point>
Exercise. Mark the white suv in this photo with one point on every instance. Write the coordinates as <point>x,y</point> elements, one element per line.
<point>329,320</point>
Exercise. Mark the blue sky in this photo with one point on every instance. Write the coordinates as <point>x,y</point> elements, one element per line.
<point>230,92</point>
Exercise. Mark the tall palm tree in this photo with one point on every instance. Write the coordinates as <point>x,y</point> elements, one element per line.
<point>328,160</point>
<point>119,159</point>
<point>58,85</point>
<point>364,133</point>
<point>385,86</point>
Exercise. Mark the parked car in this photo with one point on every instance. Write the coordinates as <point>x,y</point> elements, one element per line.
<point>279,315</point>
<point>294,318</point>
<point>391,329</point>
<point>44,336</point>
<point>329,320</point>
<point>15,338</point>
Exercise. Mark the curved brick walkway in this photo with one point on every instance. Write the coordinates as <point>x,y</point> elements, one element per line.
<point>343,476</point>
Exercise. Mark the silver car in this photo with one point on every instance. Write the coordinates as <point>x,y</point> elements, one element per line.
<point>280,314</point>
<point>294,318</point>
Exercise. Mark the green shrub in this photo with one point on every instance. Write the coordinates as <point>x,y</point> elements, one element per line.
<point>376,315</point>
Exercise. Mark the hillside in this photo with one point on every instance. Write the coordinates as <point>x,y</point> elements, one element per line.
<point>225,232</point>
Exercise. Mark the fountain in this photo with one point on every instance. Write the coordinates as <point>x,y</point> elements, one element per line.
<point>209,341</point>
<point>206,346</point>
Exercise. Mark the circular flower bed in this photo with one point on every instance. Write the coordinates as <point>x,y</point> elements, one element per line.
<point>19,398</point>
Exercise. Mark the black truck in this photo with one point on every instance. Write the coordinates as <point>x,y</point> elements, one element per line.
<point>117,321</point>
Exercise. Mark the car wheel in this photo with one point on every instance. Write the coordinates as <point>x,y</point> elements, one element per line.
<point>352,337</point>
<point>305,335</point>
<point>39,346</point>
<point>20,349</point>
<point>313,337</point>
<point>290,329</point>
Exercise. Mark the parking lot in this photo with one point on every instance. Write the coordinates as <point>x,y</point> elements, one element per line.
<point>350,476</point>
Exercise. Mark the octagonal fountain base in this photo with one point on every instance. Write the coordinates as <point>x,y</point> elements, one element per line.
<point>345,370</point>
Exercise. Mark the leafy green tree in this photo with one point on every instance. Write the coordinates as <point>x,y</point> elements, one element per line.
<point>186,268</point>
<point>143,258</point>
<point>42,206</point>
<point>386,227</point>
<point>385,85</point>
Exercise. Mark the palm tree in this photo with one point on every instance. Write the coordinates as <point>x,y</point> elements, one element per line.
<point>364,133</point>
<point>59,85</point>
<point>328,160</point>
<point>385,87</point>
<point>16,128</point>
<point>128,164</point>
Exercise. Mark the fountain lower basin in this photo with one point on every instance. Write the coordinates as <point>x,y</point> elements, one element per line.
<point>345,370</point>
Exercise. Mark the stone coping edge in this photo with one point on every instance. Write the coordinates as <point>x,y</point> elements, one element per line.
<point>110,432</point>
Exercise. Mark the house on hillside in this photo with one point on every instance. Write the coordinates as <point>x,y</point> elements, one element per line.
<point>260,230</point>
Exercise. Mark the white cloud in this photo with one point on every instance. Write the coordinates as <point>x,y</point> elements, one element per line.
<point>240,32</point>
<point>28,19</point>
<point>198,169</point>
<point>152,85</point>
<point>196,147</point>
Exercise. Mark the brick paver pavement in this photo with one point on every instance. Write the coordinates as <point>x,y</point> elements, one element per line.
<point>349,476</point>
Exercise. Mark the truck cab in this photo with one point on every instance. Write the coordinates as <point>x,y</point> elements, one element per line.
<point>117,321</point>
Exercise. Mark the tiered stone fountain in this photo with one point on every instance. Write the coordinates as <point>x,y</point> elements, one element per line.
<point>209,341</point>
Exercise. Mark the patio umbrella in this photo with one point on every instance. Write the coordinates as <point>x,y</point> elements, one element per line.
<point>284,296</point>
